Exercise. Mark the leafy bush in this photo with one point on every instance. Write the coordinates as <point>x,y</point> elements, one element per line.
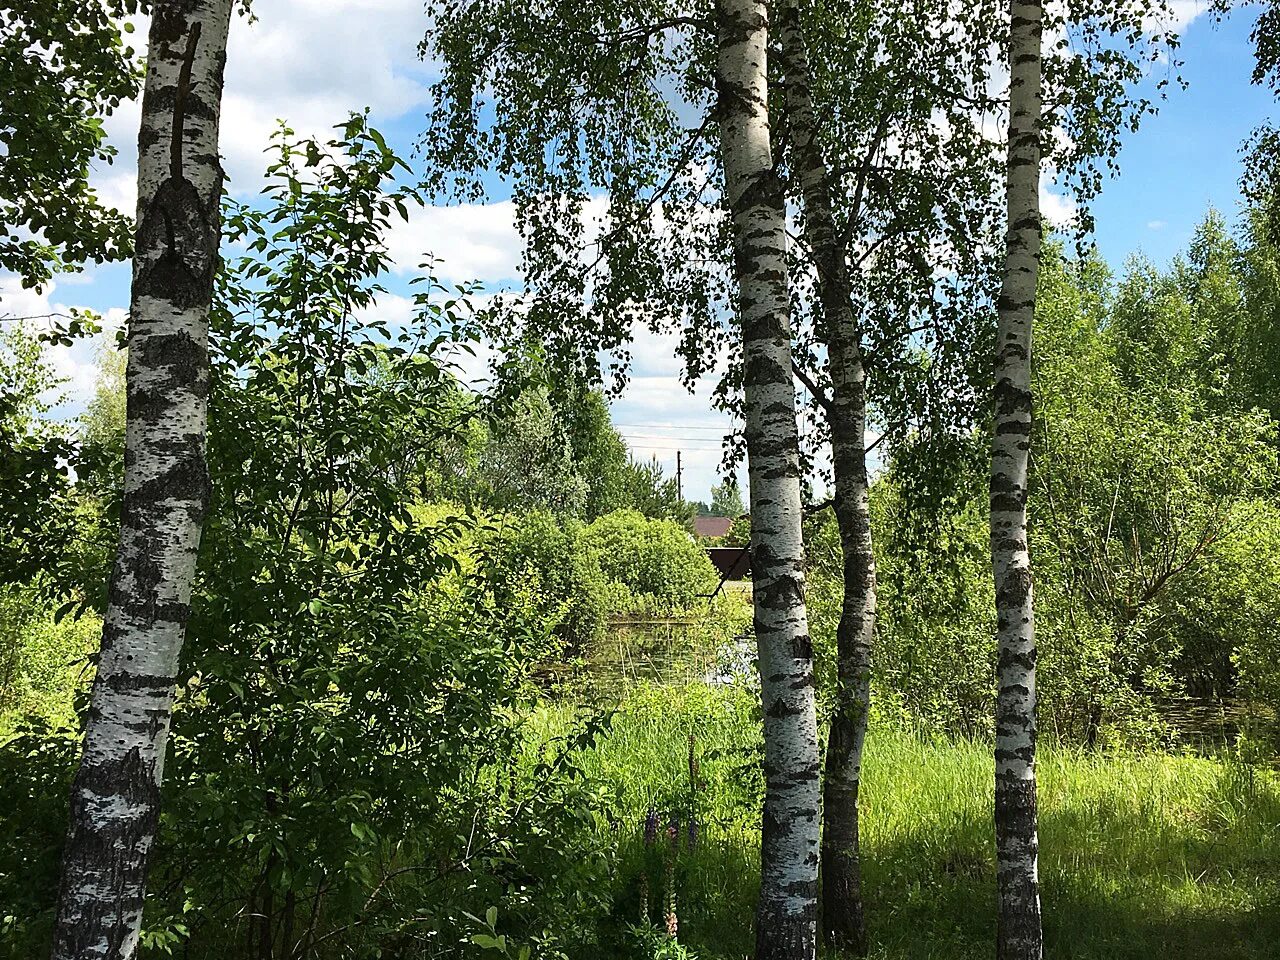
<point>544,553</point>
<point>1229,619</point>
<point>655,558</point>
<point>43,660</point>
<point>357,676</point>
<point>37,762</point>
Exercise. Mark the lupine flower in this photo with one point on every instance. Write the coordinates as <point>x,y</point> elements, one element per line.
<point>651,827</point>
<point>670,916</point>
<point>693,833</point>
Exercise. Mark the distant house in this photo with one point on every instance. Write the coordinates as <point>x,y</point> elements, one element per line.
<point>706,527</point>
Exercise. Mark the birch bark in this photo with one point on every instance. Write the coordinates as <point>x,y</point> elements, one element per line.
<point>1019,935</point>
<point>116,793</point>
<point>843,922</point>
<point>786,921</point>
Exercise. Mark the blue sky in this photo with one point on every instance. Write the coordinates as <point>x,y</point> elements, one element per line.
<point>312,61</point>
<point>1187,158</point>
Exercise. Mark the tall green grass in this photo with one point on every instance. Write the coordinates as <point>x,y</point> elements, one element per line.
<point>1142,855</point>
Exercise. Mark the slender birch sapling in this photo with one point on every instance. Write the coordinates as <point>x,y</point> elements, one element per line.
<point>786,916</point>
<point>1019,935</point>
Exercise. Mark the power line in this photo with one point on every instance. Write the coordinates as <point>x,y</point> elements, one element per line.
<point>673,439</point>
<point>700,451</point>
<point>727,428</point>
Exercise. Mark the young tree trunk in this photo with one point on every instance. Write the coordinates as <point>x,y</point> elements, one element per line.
<point>1019,933</point>
<point>843,921</point>
<point>786,920</point>
<point>116,793</point>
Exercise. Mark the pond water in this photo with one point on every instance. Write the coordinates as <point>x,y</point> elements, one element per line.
<point>674,651</point>
<point>1210,725</point>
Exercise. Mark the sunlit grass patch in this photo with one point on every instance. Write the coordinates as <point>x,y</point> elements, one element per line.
<point>1142,854</point>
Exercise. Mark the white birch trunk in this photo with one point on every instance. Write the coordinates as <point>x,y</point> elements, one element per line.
<point>116,793</point>
<point>786,921</point>
<point>1019,934</point>
<point>843,920</point>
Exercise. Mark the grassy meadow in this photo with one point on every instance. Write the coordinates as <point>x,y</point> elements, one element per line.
<point>1142,854</point>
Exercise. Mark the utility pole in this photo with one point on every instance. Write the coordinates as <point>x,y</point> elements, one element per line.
<point>679,478</point>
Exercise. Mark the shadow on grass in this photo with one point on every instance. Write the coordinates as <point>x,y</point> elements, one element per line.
<point>1114,886</point>
<point>1117,884</point>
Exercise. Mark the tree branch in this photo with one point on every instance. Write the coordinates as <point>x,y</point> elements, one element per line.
<point>816,391</point>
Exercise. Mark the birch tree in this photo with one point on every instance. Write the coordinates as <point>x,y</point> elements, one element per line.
<point>786,915</point>
<point>600,116</point>
<point>116,793</point>
<point>1019,935</point>
<point>843,923</point>
<point>627,99</point>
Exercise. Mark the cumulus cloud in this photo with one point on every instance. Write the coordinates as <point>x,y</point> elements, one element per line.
<point>1180,14</point>
<point>309,62</point>
<point>474,241</point>
<point>390,308</point>
<point>1058,209</point>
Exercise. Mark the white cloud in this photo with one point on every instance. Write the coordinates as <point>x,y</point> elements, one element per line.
<point>658,416</point>
<point>1059,210</point>
<point>309,62</point>
<point>15,302</point>
<point>476,241</point>
<point>1156,224</point>
<point>1180,14</point>
<point>471,241</point>
<point>391,308</point>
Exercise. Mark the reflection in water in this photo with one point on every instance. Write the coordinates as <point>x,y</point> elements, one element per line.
<point>1210,725</point>
<point>675,651</point>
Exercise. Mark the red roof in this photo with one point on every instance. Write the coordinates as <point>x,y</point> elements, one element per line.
<point>712,526</point>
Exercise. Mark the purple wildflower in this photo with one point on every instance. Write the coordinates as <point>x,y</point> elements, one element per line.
<point>651,827</point>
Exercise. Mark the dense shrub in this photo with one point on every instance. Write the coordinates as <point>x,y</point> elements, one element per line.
<point>1229,619</point>
<point>565,583</point>
<point>43,660</point>
<point>653,558</point>
<point>36,765</point>
<point>572,577</point>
